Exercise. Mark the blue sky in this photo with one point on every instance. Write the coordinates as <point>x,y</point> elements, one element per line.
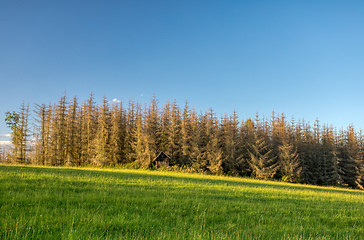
<point>303,58</point>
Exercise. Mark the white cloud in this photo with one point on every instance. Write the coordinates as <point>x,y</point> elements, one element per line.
<point>142,95</point>
<point>116,100</point>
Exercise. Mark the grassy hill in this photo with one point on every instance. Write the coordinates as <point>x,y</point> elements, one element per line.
<point>71,203</point>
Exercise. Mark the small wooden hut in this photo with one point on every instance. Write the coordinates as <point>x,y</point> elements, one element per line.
<point>161,160</point>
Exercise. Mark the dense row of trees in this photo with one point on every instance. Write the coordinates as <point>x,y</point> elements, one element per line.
<point>70,133</point>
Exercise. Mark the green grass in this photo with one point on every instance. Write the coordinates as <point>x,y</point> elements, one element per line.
<point>71,203</point>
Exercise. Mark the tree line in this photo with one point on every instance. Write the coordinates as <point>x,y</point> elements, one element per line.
<point>107,134</point>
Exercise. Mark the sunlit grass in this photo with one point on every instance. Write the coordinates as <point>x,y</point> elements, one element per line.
<point>70,203</point>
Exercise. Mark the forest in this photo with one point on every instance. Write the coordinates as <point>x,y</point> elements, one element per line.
<point>73,133</point>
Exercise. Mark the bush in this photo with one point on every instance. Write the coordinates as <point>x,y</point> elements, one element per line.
<point>133,165</point>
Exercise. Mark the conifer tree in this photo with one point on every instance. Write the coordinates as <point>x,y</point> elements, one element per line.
<point>88,126</point>
<point>42,134</point>
<point>329,168</point>
<point>102,139</point>
<point>152,131</point>
<point>83,138</point>
<point>261,162</point>
<point>289,164</point>
<point>230,143</point>
<point>170,131</point>
<point>131,120</point>
<point>277,136</point>
<point>198,142</point>
<point>360,139</point>
<point>281,146</point>
<point>246,139</point>
<point>285,144</point>
<point>165,122</point>
<point>60,131</point>
<point>25,133</point>
<point>213,152</point>
<point>349,158</point>
<point>49,151</point>
<point>53,148</point>
<point>140,144</point>
<point>186,133</point>
<point>174,134</point>
<point>117,134</point>
<point>73,148</point>
<point>310,155</point>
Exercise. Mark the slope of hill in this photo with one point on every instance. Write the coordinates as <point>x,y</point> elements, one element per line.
<point>75,203</point>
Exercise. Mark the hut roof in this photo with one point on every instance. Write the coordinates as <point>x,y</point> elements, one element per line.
<point>161,156</point>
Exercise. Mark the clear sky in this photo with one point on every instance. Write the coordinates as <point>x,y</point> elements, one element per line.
<point>303,58</point>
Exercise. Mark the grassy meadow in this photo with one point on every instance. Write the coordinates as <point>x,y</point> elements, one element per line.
<point>80,203</point>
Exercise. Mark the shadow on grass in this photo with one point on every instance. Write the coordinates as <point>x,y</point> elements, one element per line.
<point>165,176</point>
